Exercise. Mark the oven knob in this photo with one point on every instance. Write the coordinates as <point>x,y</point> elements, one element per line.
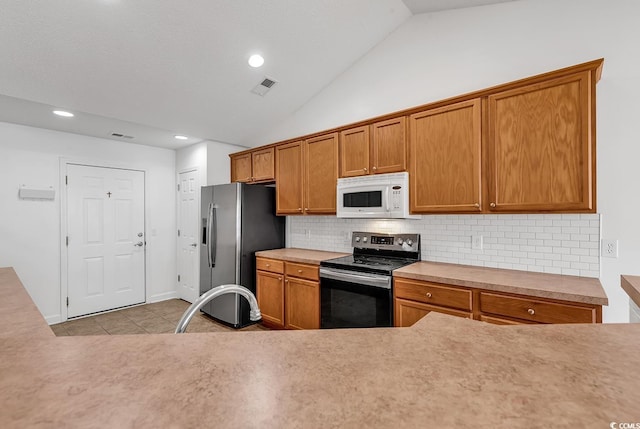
<point>357,239</point>
<point>400,241</point>
<point>410,242</point>
<point>364,239</point>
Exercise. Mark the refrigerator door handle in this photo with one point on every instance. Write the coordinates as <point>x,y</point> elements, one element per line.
<point>213,238</point>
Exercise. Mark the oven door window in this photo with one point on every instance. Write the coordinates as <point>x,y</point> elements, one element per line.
<point>350,305</point>
<point>362,199</point>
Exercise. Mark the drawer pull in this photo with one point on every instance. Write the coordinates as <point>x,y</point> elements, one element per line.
<point>279,278</point>
<point>531,311</point>
<point>268,265</point>
<point>300,271</point>
<point>429,295</point>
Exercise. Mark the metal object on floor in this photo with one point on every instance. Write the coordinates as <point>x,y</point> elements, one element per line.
<point>254,313</point>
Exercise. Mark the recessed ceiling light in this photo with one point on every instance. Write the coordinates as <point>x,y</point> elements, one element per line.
<point>256,60</point>
<point>179,137</point>
<point>63,113</point>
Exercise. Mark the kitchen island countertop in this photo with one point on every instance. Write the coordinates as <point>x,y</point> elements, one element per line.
<point>442,372</point>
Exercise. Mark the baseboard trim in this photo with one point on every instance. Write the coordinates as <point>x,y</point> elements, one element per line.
<point>52,320</point>
<point>162,297</point>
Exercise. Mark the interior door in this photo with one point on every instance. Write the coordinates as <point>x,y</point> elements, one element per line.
<point>188,211</point>
<point>106,242</point>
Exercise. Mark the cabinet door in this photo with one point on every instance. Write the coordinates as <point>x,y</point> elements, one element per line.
<point>389,146</point>
<point>302,304</point>
<point>406,313</point>
<point>354,152</point>
<point>263,165</point>
<point>445,146</point>
<point>289,183</point>
<point>321,174</point>
<point>270,295</point>
<point>541,147</point>
<point>241,168</point>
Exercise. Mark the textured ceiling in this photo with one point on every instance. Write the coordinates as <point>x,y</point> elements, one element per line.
<point>155,68</point>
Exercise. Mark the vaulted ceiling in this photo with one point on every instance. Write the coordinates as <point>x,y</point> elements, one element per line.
<point>151,69</point>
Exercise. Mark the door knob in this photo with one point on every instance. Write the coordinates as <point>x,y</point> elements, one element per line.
<point>194,244</point>
<point>139,244</point>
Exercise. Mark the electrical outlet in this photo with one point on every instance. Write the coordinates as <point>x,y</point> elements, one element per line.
<point>609,248</point>
<point>476,242</point>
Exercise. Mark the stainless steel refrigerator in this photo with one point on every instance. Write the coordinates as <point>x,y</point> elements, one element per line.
<point>237,220</point>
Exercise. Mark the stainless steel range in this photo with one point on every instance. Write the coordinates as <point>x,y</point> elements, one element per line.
<point>356,291</point>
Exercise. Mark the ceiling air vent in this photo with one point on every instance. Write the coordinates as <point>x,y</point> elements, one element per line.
<point>263,87</point>
<point>122,136</point>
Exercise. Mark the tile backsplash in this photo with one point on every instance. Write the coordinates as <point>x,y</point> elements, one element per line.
<point>550,243</point>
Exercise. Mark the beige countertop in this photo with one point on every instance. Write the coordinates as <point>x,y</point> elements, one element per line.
<point>443,372</point>
<point>304,256</point>
<point>631,285</point>
<point>553,286</point>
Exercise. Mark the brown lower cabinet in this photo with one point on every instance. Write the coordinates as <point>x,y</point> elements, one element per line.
<point>288,294</point>
<point>413,299</point>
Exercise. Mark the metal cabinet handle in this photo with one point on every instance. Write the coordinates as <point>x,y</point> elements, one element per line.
<point>531,311</point>
<point>477,205</point>
<point>374,168</point>
<point>365,169</point>
<point>299,271</point>
<point>268,265</point>
<point>279,278</point>
<point>429,295</point>
<point>306,209</point>
<point>493,205</point>
<point>299,209</point>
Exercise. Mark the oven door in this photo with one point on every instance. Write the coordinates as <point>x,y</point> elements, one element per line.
<point>351,299</point>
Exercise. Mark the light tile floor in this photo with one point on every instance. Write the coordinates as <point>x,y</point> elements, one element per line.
<point>157,318</point>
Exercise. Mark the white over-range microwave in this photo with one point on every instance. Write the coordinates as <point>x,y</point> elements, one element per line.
<point>379,196</point>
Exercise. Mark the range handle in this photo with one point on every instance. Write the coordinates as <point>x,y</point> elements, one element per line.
<point>366,279</point>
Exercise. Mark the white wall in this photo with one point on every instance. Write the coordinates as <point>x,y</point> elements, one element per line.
<point>30,230</point>
<point>435,56</point>
<point>219,164</point>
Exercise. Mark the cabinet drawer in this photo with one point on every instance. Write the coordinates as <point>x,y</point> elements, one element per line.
<point>503,321</point>
<point>432,293</point>
<point>272,265</point>
<point>535,310</point>
<point>304,271</point>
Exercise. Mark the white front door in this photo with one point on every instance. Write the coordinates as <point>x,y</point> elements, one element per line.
<point>106,242</point>
<point>188,260</point>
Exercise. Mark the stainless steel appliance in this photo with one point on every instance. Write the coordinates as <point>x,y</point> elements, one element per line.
<point>237,220</point>
<point>356,291</point>
<point>383,196</point>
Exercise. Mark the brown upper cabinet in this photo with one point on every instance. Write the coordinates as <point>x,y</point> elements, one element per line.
<point>541,146</point>
<point>253,167</point>
<point>374,149</point>
<point>289,181</point>
<point>306,176</point>
<point>445,146</point>
<point>522,147</point>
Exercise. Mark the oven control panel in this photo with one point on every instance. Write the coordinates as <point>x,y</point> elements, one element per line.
<point>374,240</point>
